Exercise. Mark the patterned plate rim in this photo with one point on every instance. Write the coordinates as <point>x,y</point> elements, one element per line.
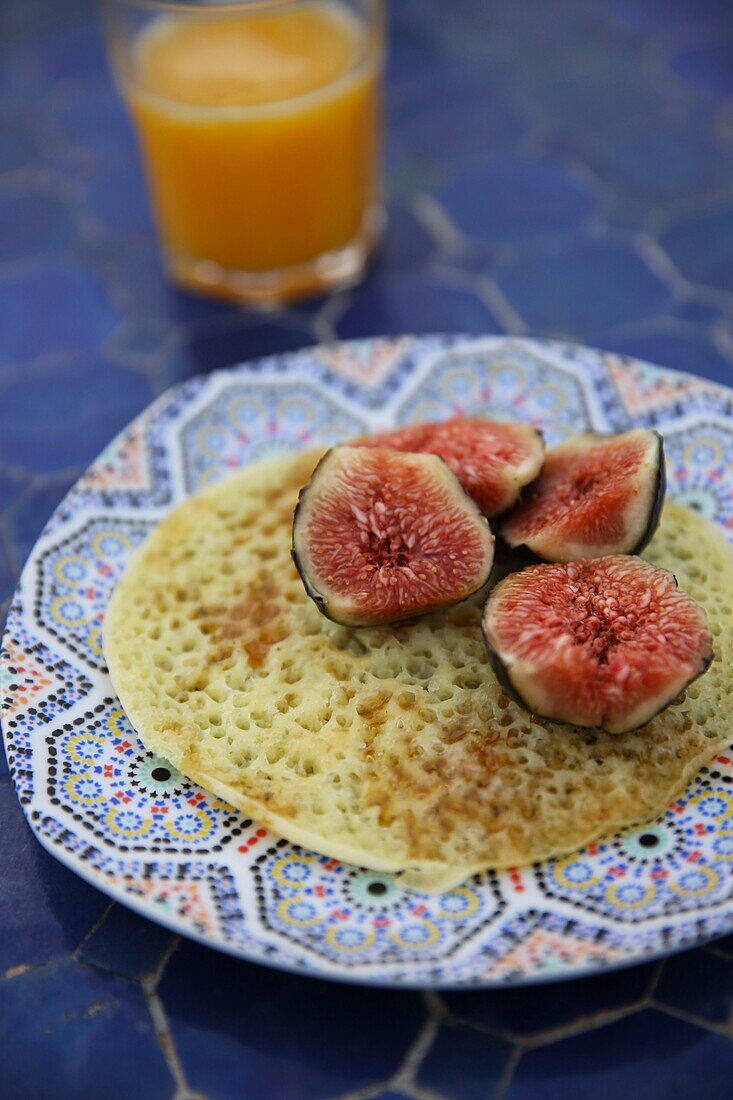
<point>355,396</point>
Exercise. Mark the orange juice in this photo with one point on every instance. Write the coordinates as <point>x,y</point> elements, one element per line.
<point>259,130</point>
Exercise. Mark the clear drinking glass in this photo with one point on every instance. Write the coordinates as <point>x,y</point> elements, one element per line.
<point>258,122</point>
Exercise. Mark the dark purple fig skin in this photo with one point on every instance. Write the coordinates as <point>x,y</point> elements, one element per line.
<point>314,595</point>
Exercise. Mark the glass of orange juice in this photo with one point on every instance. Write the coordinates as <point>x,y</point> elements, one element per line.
<point>258,122</point>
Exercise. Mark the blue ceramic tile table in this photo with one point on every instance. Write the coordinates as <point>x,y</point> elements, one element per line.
<point>564,169</point>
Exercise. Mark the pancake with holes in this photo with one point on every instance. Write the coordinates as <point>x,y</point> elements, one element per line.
<point>393,747</point>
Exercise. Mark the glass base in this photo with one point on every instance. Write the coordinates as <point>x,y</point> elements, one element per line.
<point>327,272</point>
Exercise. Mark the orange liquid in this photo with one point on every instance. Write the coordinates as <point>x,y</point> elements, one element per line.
<point>260,136</point>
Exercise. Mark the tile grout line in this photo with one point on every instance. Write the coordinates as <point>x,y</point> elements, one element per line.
<point>653,254</point>
<point>165,1040</point>
<point>415,1051</point>
<point>591,1021</point>
<point>653,982</point>
<point>20,969</point>
<point>486,289</point>
<point>154,978</point>
<point>368,1092</point>
<point>690,1018</point>
<point>329,315</point>
<point>14,473</point>
<point>439,225</point>
<point>490,293</point>
<point>163,1033</point>
<point>148,980</point>
<point>405,1074</point>
<point>509,1070</point>
<point>88,935</point>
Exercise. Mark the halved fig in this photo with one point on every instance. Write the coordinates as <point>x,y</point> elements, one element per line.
<point>380,536</point>
<point>604,643</point>
<point>597,494</point>
<point>492,460</point>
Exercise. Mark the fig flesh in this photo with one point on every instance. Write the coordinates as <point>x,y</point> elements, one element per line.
<point>603,643</point>
<point>380,536</point>
<point>596,495</point>
<point>492,460</point>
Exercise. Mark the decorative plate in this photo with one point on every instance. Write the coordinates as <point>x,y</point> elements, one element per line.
<point>130,824</point>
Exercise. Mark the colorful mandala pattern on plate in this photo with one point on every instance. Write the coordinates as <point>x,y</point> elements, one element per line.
<point>127,797</point>
<point>353,916</point>
<point>75,578</point>
<point>128,822</point>
<point>242,425</point>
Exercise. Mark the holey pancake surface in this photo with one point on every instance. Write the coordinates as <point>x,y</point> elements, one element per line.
<point>392,747</point>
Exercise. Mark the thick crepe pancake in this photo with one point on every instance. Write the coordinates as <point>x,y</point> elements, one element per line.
<point>394,747</point>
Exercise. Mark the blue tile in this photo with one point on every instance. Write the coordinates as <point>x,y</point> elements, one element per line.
<point>413,49</point>
<point>699,983</point>
<point>653,164</point>
<point>8,576</point>
<point>471,117</point>
<point>246,1031</point>
<point>118,198</point>
<point>71,52</point>
<point>463,1064</point>
<point>215,350</point>
<point>12,484</point>
<point>700,243</point>
<point>643,1057</point>
<point>18,145</point>
<point>724,946</point>
<point>407,244</point>
<point>581,289</point>
<point>660,14</point>
<point>211,348</point>
<point>126,944</point>
<point>35,18</point>
<point>61,417</point>
<point>4,606</point>
<point>29,516</point>
<point>708,69</point>
<point>140,341</point>
<point>57,307</point>
<point>134,269</point>
<point>528,1011</point>
<point>512,198</point>
<point>78,1033</point>
<point>693,354</point>
<point>591,87</point>
<point>45,910</point>
<point>395,305</point>
<point>94,120</point>
<point>696,313</point>
<point>31,224</point>
<point>531,33</point>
